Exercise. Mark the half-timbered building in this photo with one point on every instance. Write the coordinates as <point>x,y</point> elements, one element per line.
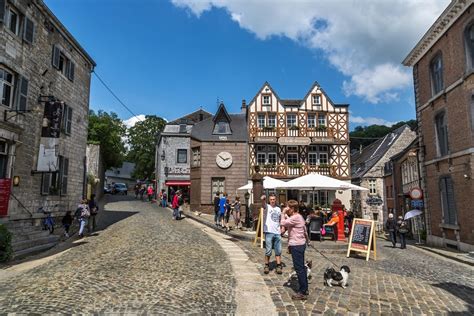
<point>289,138</point>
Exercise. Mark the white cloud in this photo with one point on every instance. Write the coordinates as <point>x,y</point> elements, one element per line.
<point>134,119</point>
<point>365,40</point>
<point>369,120</point>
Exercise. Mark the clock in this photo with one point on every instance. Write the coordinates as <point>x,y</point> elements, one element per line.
<point>224,159</point>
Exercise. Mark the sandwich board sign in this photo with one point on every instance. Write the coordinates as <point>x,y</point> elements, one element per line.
<point>362,237</point>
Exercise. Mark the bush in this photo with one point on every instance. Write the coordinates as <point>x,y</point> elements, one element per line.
<point>5,244</point>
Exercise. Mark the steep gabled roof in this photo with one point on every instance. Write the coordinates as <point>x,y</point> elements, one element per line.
<point>271,88</point>
<point>191,118</point>
<point>364,161</point>
<point>221,114</point>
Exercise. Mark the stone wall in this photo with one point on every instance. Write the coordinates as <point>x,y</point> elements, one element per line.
<point>177,171</point>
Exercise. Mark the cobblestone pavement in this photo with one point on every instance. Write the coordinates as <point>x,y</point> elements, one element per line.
<point>143,263</point>
<point>402,282</point>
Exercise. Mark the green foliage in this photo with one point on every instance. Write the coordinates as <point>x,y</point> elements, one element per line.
<point>142,138</point>
<point>373,132</point>
<point>6,250</point>
<point>108,131</point>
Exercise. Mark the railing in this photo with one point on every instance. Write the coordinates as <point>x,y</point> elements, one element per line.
<point>325,132</point>
<point>295,170</point>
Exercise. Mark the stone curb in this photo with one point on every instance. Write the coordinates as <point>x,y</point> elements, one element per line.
<point>455,258</point>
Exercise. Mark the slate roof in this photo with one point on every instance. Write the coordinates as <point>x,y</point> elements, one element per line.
<point>364,161</point>
<point>191,118</point>
<point>203,131</point>
<point>124,172</point>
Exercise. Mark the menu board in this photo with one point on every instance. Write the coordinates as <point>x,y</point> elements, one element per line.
<point>5,190</point>
<point>362,237</point>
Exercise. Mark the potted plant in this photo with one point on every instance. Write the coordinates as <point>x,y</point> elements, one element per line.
<point>323,165</point>
<point>322,128</point>
<point>268,166</point>
<point>269,128</point>
<point>294,128</point>
<point>296,165</point>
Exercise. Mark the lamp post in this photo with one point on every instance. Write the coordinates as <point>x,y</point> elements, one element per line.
<point>247,209</point>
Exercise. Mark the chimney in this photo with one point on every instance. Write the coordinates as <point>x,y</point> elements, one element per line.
<point>243,108</point>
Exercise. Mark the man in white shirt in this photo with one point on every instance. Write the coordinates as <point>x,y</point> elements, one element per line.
<point>271,229</point>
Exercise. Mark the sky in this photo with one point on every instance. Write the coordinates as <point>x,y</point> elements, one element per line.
<point>171,57</point>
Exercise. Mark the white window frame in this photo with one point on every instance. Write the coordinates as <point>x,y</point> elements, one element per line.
<point>293,122</point>
<point>288,156</point>
<point>313,159</point>
<point>17,26</point>
<point>186,155</point>
<point>219,184</point>
<point>261,123</point>
<point>322,120</point>
<point>311,120</point>
<point>271,120</point>
<point>275,160</point>
<point>326,158</point>
<point>372,186</point>
<point>266,99</point>
<point>196,157</point>
<point>4,83</point>
<point>316,99</point>
<point>261,158</point>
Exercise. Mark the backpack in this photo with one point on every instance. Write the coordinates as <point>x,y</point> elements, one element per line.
<point>85,212</point>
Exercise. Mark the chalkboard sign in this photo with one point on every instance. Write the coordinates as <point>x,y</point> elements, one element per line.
<point>362,237</point>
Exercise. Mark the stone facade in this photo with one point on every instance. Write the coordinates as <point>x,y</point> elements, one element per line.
<point>35,80</point>
<point>95,171</point>
<point>447,166</point>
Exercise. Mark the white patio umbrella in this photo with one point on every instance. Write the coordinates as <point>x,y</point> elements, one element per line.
<point>246,187</point>
<point>268,183</point>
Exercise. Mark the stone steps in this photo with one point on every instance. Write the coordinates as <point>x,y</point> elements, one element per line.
<point>34,250</point>
<point>31,243</point>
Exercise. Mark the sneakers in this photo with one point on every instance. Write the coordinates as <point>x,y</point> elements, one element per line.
<point>266,269</point>
<point>299,297</point>
<point>278,269</point>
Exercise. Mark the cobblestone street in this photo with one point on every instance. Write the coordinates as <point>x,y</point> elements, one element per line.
<point>144,262</point>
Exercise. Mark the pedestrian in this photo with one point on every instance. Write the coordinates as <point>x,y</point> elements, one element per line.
<point>94,210</point>
<point>175,206</point>
<point>180,203</point>
<point>402,227</point>
<point>49,222</point>
<point>228,212</point>
<point>149,192</point>
<point>137,190</point>
<point>67,222</point>
<point>272,232</point>
<point>303,209</point>
<point>391,227</point>
<point>222,209</point>
<point>216,208</point>
<point>164,198</point>
<point>297,240</point>
<point>172,194</point>
<point>142,191</point>
<point>82,214</point>
<point>236,206</point>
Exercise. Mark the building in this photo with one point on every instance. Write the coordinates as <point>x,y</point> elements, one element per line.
<point>291,138</point>
<point>443,73</point>
<point>45,82</point>
<point>173,153</point>
<point>218,158</point>
<point>124,174</point>
<point>367,166</point>
<point>401,178</point>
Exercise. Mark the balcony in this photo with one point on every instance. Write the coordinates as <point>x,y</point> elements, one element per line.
<point>326,133</point>
<point>294,170</point>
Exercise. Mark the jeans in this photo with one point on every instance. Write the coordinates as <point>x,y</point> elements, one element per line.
<point>272,241</point>
<point>297,254</point>
<point>403,243</point>
<point>176,213</point>
<point>83,222</point>
<point>216,215</point>
<point>92,223</point>
<point>163,203</point>
<point>393,237</point>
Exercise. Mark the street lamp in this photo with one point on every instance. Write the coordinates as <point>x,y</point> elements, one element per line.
<point>247,209</point>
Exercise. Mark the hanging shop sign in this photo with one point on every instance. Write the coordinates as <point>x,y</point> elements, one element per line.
<point>51,129</point>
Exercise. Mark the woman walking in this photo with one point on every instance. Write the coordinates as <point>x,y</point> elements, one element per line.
<point>297,239</point>
<point>402,228</point>
<point>83,215</point>
<point>237,212</point>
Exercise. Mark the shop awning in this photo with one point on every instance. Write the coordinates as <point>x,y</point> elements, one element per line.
<point>178,182</point>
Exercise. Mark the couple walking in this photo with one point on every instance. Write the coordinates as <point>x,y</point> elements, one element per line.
<point>275,223</point>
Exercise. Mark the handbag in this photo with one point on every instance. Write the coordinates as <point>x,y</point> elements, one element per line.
<point>323,231</point>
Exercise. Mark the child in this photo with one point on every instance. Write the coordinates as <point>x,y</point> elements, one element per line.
<point>67,222</point>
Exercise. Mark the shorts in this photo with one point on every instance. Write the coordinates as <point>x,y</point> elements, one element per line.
<point>272,241</point>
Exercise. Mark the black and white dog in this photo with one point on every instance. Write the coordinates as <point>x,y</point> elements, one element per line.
<point>332,277</point>
<point>308,265</point>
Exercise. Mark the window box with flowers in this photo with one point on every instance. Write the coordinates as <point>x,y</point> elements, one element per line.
<point>269,128</point>
<point>296,165</point>
<point>321,128</point>
<point>294,128</point>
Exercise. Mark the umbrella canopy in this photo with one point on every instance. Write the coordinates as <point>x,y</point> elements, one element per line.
<point>268,183</point>
<point>412,213</point>
<point>314,181</point>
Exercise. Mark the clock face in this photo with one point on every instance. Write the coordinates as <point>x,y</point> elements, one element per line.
<point>224,159</point>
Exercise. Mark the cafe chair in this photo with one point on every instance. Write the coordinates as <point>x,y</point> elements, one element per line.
<point>314,229</point>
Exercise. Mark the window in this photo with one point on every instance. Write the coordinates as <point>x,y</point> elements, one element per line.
<point>311,120</point>
<point>61,62</point>
<point>372,186</point>
<point>323,158</point>
<point>292,158</point>
<point>261,159</point>
<point>322,120</point>
<point>13,21</point>
<point>6,85</point>
<point>290,120</point>
<point>28,30</point>
<point>436,70</point>
<point>55,183</point>
<point>266,99</point>
<point>182,156</point>
<point>271,120</point>
<point>261,120</point>
<point>469,41</point>
<point>441,134</point>
<point>447,200</point>
<point>266,154</point>
<point>218,186</point>
<point>313,159</point>
<point>316,99</point>
<point>222,128</point>
<point>272,158</point>
<point>3,160</point>
<point>67,119</point>
<point>196,157</point>
<point>63,173</point>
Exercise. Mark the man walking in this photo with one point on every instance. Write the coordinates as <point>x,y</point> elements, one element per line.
<point>271,229</point>
<point>391,226</point>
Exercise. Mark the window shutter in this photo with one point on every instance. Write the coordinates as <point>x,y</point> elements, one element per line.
<point>69,120</point>
<point>22,102</point>
<point>56,55</point>
<point>45,182</point>
<point>70,73</point>
<point>2,10</point>
<point>64,175</point>
<point>64,118</point>
<point>28,30</point>
<point>450,201</point>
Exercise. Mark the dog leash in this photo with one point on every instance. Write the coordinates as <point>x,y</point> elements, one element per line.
<point>335,265</point>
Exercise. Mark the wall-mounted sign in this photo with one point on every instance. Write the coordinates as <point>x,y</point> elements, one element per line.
<point>294,141</point>
<point>322,139</point>
<point>417,203</point>
<point>178,170</point>
<point>416,194</point>
<point>374,201</point>
<point>52,120</point>
<point>262,139</point>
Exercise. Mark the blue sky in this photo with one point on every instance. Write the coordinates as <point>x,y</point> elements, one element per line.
<point>168,58</point>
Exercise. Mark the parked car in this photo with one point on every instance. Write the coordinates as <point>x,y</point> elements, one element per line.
<point>120,188</point>
<point>108,189</point>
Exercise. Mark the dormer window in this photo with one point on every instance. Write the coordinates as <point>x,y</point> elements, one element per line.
<point>316,99</point>
<point>266,100</point>
<point>222,128</point>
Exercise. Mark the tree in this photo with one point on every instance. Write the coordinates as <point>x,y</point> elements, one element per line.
<point>108,131</point>
<point>142,141</point>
